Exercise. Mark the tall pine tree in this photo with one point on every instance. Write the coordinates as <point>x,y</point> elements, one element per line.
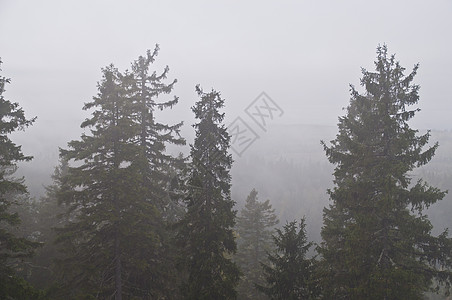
<point>109,241</point>
<point>206,231</point>
<point>158,170</point>
<point>12,118</point>
<point>254,227</point>
<point>377,243</point>
<point>123,189</point>
<point>146,87</point>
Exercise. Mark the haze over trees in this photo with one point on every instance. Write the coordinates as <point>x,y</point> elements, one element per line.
<point>124,219</point>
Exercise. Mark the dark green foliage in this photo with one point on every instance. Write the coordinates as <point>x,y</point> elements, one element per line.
<point>288,275</point>
<point>96,193</point>
<point>206,231</point>
<point>12,248</point>
<point>146,88</point>
<point>254,228</point>
<point>377,242</point>
<point>158,173</point>
<point>110,241</point>
<point>122,191</point>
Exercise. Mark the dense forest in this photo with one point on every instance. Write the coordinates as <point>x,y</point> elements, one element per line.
<point>357,211</point>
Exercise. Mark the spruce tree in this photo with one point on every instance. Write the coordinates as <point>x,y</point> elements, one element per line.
<point>123,189</point>
<point>289,273</point>
<point>157,170</point>
<point>109,241</point>
<point>254,227</point>
<point>40,218</point>
<point>206,231</point>
<point>146,89</point>
<point>377,242</point>
<point>12,247</point>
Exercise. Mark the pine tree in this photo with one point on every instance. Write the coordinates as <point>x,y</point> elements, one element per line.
<point>124,189</point>
<point>39,219</point>
<point>111,226</point>
<point>289,274</point>
<point>377,243</point>
<point>158,171</point>
<point>206,231</point>
<point>254,227</point>
<point>146,88</point>
<point>12,118</point>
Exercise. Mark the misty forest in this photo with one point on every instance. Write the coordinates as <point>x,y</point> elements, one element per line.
<point>125,218</point>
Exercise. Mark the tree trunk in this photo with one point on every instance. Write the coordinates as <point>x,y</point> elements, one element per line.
<point>118,280</point>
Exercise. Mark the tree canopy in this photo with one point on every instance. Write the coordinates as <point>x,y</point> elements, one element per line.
<point>206,231</point>
<point>117,190</point>
<point>289,273</point>
<point>254,228</point>
<point>377,242</point>
<point>12,247</point>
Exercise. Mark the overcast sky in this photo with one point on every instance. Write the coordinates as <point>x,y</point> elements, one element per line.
<point>303,54</point>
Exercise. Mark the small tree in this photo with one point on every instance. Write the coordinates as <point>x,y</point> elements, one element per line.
<point>288,275</point>
<point>12,118</point>
<point>254,228</point>
<point>206,231</point>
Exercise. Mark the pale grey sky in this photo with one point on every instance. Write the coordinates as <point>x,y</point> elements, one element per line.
<point>303,54</point>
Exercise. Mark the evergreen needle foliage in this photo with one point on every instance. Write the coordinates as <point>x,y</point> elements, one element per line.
<point>206,231</point>
<point>288,274</point>
<point>12,247</point>
<point>116,243</point>
<point>254,227</point>
<point>377,243</point>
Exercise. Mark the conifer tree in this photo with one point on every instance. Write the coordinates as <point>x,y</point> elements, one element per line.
<point>289,273</point>
<point>109,241</point>
<point>123,189</point>
<point>377,242</point>
<point>12,247</point>
<point>39,219</point>
<point>254,227</point>
<point>158,171</point>
<point>146,88</point>
<point>206,231</point>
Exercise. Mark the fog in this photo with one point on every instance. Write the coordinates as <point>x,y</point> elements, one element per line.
<point>296,57</point>
<point>302,55</point>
